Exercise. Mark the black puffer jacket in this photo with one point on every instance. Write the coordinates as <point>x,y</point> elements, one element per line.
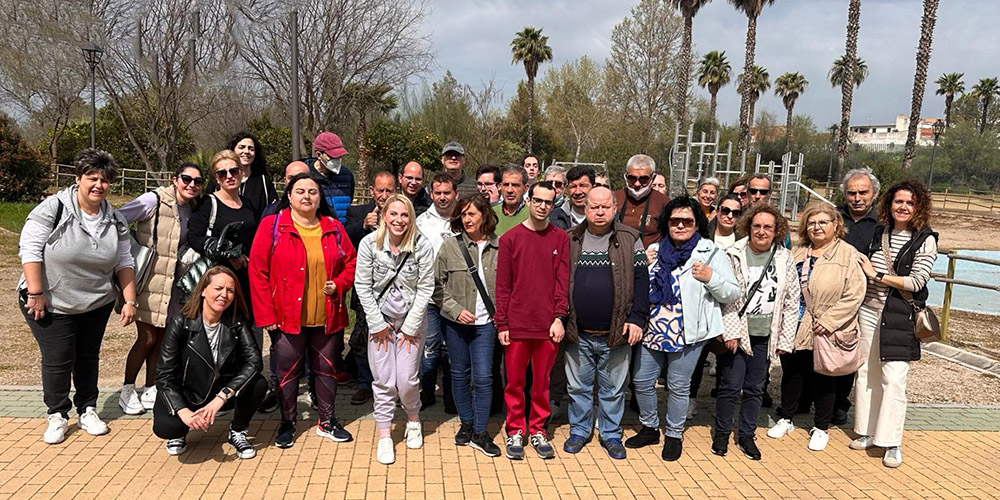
<point>896,339</point>
<point>185,373</point>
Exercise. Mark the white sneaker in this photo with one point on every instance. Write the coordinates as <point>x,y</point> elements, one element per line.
<point>55,433</point>
<point>129,401</point>
<point>893,457</point>
<point>818,439</point>
<point>385,453</point>
<point>148,397</point>
<point>692,410</point>
<point>91,423</point>
<point>176,446</point>
<point>414,436</point>
<point>862,443</point>
<point>784,426</point>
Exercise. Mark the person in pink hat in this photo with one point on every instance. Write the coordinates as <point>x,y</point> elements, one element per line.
<point>336,180</point>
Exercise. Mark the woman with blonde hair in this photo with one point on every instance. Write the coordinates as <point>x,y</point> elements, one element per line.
<point>394,282</point>
<point>833,287</point>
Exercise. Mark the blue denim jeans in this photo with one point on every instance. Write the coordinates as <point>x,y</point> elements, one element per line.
<point>740,372</point>
<point>435,357</point>
<point>470,349</point>
<point>586,360</point>
<point>365,377</point>
<point>680,365</point>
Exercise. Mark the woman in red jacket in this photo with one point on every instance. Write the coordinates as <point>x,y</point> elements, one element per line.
<point>301,266</point>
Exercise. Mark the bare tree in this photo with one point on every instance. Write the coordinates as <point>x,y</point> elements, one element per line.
<point>488,120</point>
<point>573,99</point>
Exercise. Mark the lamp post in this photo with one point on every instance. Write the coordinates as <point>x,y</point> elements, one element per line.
<point>833,143</point>
<point>938,128</point>
<point>92,54</point>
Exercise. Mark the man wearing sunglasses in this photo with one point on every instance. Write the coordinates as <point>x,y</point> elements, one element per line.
<point>556,175</point>
<point>411,183</point>
<point>640,204</point>
<point>758,189</point>
<point>453,159</point>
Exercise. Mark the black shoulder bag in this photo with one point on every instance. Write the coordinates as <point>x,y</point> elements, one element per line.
<point>753,289</point>
<point>474,271</point>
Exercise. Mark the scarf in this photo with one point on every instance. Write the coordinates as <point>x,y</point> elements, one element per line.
<point>669,258</point>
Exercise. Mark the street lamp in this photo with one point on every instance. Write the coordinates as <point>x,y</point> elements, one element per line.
<point>938,128</point>
<point>833,142</point>
<point>92,54</point>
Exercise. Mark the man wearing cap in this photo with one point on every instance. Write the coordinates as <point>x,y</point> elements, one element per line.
<point>411,183</point>
<point>336,180</point>
<point>453,159</point>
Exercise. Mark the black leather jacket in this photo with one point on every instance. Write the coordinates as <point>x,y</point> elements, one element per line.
<point>185,373</point>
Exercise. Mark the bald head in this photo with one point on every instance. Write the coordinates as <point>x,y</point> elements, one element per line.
<point>411,179</point>
<point>295,168</point>
<point>600,210</point>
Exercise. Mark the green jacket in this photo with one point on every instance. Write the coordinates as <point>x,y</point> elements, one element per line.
<point>454,288</point>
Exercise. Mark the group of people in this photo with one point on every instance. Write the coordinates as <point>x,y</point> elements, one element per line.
<point>525,290</point>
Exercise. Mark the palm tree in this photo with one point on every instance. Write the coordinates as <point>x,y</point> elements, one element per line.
<point>789,87</point>
<point>530,48</point>
<point>920,79</point>
<point>985,91</point>
<point>949,84</point>
<point>689,9</point>
<point>367,101</point>
<point>714,74</point>
<point>838,73</point>
<point>753,86</point>
<point>752,8</point>
<point>849,78</point>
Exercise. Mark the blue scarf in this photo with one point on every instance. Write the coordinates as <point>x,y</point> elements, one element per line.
<point>669,258</point>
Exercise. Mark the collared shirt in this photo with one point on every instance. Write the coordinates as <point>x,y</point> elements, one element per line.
<point>506,222</point>
<point>859,232</point>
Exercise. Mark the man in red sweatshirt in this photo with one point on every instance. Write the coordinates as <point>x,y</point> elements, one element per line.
<point>532,287</point>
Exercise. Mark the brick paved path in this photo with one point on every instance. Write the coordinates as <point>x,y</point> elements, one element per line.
<point>949,452</point>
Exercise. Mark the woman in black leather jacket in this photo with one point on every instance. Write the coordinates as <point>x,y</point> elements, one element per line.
<point>208,361</point>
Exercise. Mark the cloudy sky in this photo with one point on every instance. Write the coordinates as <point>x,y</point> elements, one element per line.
<point>471,38</point>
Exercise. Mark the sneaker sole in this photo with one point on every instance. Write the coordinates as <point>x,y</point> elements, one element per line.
<point>719,453</point>
<point>54,441</point>
<point>94,433</point>
<point>251,453</point>
<point>545,456</point>
<point>860,447</point>
<point>131,411</point>
<point>331,437</point>
<point>515,457</point>
<point>745,454</point>
<point>174,453</point>
<point>474,446</point>
<point>284,446</point>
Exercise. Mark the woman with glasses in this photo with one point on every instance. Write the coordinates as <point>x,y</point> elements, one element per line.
<point>833,287</point>
<point>228,208</point>
<point>161,218</point>
<point>758,326</point>
<point>689,281</point>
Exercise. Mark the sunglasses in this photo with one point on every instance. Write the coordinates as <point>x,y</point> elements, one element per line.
<point>728,211</point>
<point>557,184</point>
<point>643,180</point>
<point>758,191</point>
<point>187,179</point>
<point>681,221</point>
<point>232,172</point>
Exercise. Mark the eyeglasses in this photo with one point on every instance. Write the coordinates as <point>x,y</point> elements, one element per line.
<point>729,211</point>
<point>763,227</point>
<point>187,179</point>
<point>818,223</point>
<point>410,178</point>
<point>232,172</point>
<point>544,203</point>
<point>485,184</point>
<point>681,221</point>
<point>758,191</point>
<point>643,180</point>
<point>557,184</point>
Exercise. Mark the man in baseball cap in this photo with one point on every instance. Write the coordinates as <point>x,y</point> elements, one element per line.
<point>336,180</point>
<point>453,159</point>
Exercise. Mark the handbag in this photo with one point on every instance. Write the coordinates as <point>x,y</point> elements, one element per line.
<point>144,257</point>
<point>216,250</point>
<point>926,327</point>
<point>836,353</point>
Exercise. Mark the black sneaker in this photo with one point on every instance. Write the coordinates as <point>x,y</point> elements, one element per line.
<point>515,447</point>
<point>671,449</point>
<point>270,402</point>
<point>483,443</point>
<point>363,394</point>
<point>238,440</point>
<point>464,435</point>
<point>332,429</point>
<point>749,447</point>
<point>645,437</point>
<point>542,446</point>
<point>720,444</point>
<point>286,433</point>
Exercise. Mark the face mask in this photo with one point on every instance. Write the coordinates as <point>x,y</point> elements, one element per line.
<point>333,165</point>
<point>641,193</point>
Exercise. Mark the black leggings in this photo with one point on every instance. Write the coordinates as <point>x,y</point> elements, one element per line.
<point>798,377</point>
<point>245,403</point>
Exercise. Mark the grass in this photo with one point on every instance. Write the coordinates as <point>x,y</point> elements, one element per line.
<point>12,215</point>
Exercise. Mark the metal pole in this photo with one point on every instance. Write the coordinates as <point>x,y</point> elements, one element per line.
<point>93,109</point>
<point>930,179</point>
<point>296,134</point>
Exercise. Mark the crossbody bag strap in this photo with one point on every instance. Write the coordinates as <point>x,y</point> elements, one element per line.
<point>887,255</point>
<point>804,280</point>
<point>156,220</point>
<point>474,271</point>
<point>212,214</point>
<point>753,289</point>
<point>394,275</point>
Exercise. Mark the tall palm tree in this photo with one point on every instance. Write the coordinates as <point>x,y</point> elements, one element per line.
<point>949,84</point>
<point>920,79</point>
<point>753,85</point>
<point>850,77</point>
<point>838,73</point>
<point>752,9</point>
<point>714,74</point>
<point>530,48</point>
<point>789,87</point>
<point>985,91</point>
<point>689,9</point>
<point>367,101</point>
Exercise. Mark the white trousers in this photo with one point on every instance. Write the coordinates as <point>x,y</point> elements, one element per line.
<point>880,394</point>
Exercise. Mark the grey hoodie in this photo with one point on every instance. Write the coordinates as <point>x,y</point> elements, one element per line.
<point>77,267</point>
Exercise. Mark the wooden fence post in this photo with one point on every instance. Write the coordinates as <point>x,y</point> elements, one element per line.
<point>946,306</point>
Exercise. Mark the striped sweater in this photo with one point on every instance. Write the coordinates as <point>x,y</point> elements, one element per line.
<point>877,293</point>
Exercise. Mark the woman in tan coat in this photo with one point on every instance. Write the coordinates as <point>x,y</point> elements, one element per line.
<point>833,287</point>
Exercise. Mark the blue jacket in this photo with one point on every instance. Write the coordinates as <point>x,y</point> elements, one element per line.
<point>338,189</point>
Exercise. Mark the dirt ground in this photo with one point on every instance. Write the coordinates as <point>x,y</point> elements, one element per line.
<point>931,380</point>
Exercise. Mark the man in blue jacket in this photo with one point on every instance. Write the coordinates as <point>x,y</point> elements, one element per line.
<point>336,180</point>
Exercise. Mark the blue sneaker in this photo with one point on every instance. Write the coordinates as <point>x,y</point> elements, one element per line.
<point>574,444</point>
<point>615,448</point>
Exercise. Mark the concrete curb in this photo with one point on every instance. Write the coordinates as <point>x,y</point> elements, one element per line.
<point>967,359</point>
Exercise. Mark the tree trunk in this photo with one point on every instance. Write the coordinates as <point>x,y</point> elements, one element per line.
<point>986,110</point>
<point>362,179</point>
<point>743,143</point>
<point>752,104</point>
<point>684,73</point>
<point>788,128</point>
<point>712,108</point>
<point>847,86</point>
<point>920,79</point>
<point>531,113</point>
<point>948,101</point>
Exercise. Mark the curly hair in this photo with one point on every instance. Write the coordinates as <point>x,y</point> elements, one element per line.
<point>921,204</point>
<point>815,208</point>
<point>681,202</point>
<point>780,223</point>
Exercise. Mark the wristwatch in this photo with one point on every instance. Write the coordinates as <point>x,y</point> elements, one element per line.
<point>133,303</point>
<point>879,276</point>
<point>226,393</point>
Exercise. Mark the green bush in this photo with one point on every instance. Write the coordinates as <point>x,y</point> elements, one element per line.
<point>24,175</point>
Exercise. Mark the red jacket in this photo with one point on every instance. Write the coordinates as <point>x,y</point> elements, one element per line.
<point>277,273</point>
